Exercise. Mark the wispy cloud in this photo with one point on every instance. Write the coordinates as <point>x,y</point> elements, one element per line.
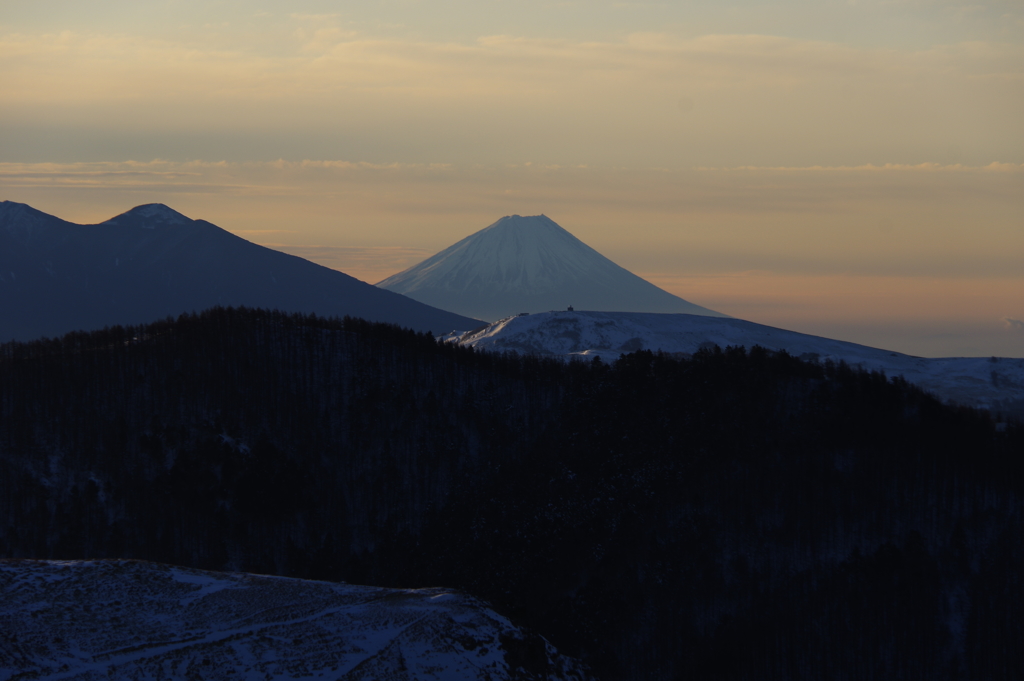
<point>751,100</point>
<point>994,167</point>
<point>956,221</point>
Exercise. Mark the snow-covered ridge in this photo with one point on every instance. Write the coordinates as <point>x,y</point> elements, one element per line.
<point>135,620</point>
<point>529,264</point>
<point>985,382</point>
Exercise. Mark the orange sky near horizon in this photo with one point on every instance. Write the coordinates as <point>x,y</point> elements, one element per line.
<point>847,169</point>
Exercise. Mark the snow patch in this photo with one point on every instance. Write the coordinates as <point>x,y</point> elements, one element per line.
<point>126,620</point>
<point>205,584</point>
<point>157,213</point>
<point>987,383</point>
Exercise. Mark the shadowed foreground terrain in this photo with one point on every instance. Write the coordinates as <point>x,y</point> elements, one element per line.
<point>732,515</point>
<point>129,619</point>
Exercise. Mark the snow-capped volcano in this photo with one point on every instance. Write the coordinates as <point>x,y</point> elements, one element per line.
<point>529,264</point>
<point>152,261</point>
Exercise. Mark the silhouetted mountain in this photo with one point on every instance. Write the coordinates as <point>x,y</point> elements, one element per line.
<point>728,515</point>
<point>529,264</point>
<point>151,262</point>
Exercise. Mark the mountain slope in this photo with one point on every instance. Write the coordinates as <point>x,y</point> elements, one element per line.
<point>988,383</point>
<point>529,264</point>
<point>130,620</point>
<point>660,518</point>
<point>151,262</point>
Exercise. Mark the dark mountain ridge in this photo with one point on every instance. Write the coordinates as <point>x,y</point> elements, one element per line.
<point>150,262</point>
<point>731,515</point>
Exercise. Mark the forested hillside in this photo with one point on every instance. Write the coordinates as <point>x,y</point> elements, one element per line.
<point>247,439</point>
<point>730,515</point>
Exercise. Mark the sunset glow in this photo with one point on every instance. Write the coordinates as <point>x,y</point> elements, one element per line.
<point>845,169</point>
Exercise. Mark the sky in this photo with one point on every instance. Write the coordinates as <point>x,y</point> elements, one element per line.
<point>849,169</point>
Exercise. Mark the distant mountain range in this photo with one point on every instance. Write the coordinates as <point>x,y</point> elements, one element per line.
<point>984,382</point>
<point>151,262</point>
<point>132,620</point>
<point>530,264</point>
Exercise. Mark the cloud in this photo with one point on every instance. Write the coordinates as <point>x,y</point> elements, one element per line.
<point>315,17</point>
<point>1014,324</point>
<point>887,167</point>
<point>754,190</point>
<point>756,100</point>
<point>892,221</point>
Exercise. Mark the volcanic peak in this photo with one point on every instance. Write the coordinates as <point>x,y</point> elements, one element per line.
<point>529,264</point>
<point>149,216</point>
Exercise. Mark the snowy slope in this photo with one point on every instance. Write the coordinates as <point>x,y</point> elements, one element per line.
<point>529,264</point>
<point>134,620</point>
<point>995,383</point>
<point>151,262</point>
